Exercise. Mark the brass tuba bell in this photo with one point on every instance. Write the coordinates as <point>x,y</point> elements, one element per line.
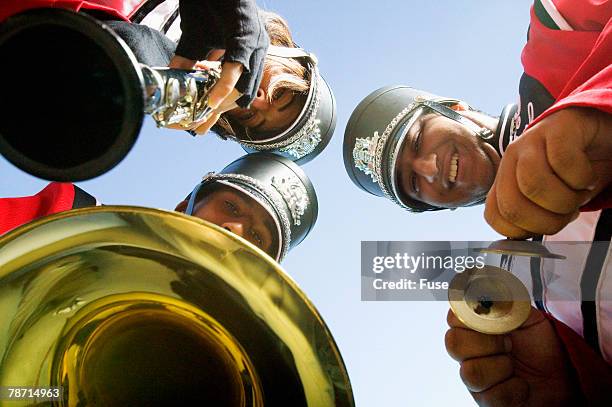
<point>127,306</point>
<point>490,300</point>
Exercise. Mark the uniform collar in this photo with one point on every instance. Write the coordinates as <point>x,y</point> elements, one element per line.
<point>505,132</point>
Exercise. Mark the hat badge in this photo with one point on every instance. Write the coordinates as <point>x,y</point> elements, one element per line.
<point>295,196</point>
<point>364,154</point>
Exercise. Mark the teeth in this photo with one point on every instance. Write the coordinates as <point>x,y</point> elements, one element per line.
<point>452,175</point>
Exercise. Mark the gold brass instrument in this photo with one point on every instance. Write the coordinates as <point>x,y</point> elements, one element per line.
<point>92,94</point>
<point>127,306</point>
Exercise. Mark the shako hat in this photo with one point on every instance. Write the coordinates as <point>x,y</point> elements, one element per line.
<point>375,133</point>
<point>310,133</point>
<point>279,185</point>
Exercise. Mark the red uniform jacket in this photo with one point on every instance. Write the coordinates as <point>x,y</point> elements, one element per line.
<point>573,66</point>
<point>121,9</point>
<point>55,197</point>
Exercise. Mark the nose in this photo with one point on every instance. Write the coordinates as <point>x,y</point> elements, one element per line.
<point>261,101</point>
<point>426,166</point>
<point>236,228</point>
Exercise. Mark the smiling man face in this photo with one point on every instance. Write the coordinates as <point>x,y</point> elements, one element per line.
<point>442,163</point>
<point>422,151</point>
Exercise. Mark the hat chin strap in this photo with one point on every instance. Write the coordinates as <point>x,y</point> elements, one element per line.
<point>481,132</point>
<point>445,111</point>
<point>192,199</point>
<point>287,52</point>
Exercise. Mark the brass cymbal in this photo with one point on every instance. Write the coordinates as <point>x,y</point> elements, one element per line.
<point>527,248</point>
<point>490,300</point>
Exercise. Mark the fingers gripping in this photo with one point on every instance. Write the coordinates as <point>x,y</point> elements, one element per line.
<point>463,344</point>
<point>225,85</point>
<point>510,393</point>
<point>566,154</point>
<point>480,374</point>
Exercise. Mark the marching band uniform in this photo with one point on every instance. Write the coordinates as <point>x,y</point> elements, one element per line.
<point>279,185</point>
<point>55,197</point>
<point>236,26</point>
<point>567,63</point>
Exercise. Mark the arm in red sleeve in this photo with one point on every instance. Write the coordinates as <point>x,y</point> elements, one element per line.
<point>55,197</point>
<point>593,374</point>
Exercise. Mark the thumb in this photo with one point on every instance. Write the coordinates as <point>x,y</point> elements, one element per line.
<point>179,62</point>
<point>207,125</point>
<point>230,74</point>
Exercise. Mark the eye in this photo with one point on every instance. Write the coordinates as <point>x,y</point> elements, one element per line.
<point>417,141</point>
<point>413,183</point>
<point>282,98</point>
<point>278,94</point>
<point>232,208</point>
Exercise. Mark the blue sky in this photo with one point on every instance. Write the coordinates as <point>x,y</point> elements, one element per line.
<point>469,49</point>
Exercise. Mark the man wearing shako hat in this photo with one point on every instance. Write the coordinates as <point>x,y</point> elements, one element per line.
<point>429,153</point>
<point>393,123</point>
<point>263,198</point>
<point>535,166</point>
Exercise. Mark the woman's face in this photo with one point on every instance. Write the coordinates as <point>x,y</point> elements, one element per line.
<point>240,214</point>
<point>268,117</point>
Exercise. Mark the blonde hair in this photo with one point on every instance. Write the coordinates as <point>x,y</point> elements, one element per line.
<point>294,76</point>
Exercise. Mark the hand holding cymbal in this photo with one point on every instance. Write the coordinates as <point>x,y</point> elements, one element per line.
<point>527,367</point>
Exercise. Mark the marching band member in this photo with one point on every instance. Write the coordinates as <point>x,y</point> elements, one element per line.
<point>536,166</point>
<point>261,197</point>
<point>270,96</point>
